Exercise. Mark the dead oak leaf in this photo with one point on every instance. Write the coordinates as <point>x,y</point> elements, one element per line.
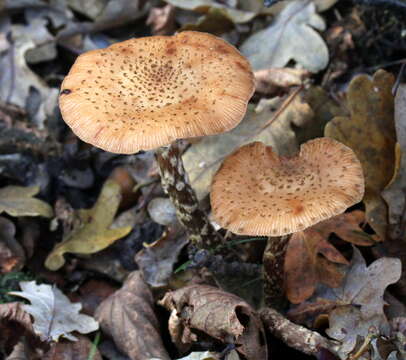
<point>347,227</point>
<point>370,132</point>
<point>128,317</point>
<point>54,315</point>
<point>19,201</point>
<point>221,315</point>
<point>93,233</point>
<point>364,286</point>
<point>291,36</point>
<point>310,259</point>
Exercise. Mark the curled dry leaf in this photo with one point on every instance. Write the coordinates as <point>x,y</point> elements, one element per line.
<point>291,36</point>
<point>12,255</point>
<point>310,259</point>
<point>128,317</point>
<point>93,233</point>
<point>15,322</point>
<point>162,20</point>
<point>221,315</point>
<point>269,80</point>
<point>370,132</point>
<point>19,201</point>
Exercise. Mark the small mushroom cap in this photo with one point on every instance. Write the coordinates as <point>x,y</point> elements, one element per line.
<point>144,93</point>
<point>257,192</point>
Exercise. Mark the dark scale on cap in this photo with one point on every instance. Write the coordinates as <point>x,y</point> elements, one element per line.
<point>156,90</point>
<point>286,194</point>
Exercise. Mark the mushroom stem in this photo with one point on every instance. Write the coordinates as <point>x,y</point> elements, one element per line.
<point>273,260</point>
<point>175,183</point>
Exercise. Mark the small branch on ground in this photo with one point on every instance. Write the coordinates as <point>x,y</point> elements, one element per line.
<point>296,336</point>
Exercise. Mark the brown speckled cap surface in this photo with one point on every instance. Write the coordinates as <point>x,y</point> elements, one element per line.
<point>257,192</point>
<point>144,93</point>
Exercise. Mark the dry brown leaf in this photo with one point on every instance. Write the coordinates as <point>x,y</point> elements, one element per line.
<point>267,81</point>
<point>347,227</point>
<point>305,267</point>
<point>14,323</point>
<point>12,255</point>
<point>370,132</point>
<point>156,260</point>
<point>221,315</point>
<point>162,20</point>
<point>72,350</point>
<point>128,317</point>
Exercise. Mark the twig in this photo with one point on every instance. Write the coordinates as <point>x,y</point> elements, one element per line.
<point>283,107</point>
<point>296,336</point>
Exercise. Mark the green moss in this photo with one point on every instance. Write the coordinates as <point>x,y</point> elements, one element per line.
<point>9,282</point>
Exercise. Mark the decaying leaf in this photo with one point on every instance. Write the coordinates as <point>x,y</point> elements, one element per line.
<point>20,86</point>
<point>162,20</point>
<point>364,286</point>
<point>156,260</point>
<point>204,6</point>
<point>67,350</point>
<point>128,317</point>
<point>94,232</point>
<point>394,193</point>
<point>371,134</point>
<point>310,259</point>
<point>19,201</point>
<point>12,254</point>
<point>291,36</point>
<point>268,80</point>
<point>347,324</point>
<point>347,227</point>
<point>54,315</point>
<point>221,315</point>
<point>203,159</point>
<point>14,324</point>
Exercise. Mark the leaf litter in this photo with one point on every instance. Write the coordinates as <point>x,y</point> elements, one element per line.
<point>306,78</point>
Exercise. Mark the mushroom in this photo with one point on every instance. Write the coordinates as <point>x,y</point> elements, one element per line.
<point>146,93</point>
<point>257,192</point>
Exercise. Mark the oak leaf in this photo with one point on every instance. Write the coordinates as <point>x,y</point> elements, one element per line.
<point>370,132</point>
<point>19,201</point>
<point>94,232</point>
<point>54,315</point>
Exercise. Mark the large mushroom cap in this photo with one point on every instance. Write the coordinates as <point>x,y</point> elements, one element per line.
<point>256,192</point>
<point>144,93</point>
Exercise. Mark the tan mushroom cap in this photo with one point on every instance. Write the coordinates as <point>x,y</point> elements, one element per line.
<point>257,192</point>
<point>144,93</point>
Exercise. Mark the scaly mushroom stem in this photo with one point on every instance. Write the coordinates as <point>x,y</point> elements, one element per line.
<point>176,185</point>
<point>273,260</point>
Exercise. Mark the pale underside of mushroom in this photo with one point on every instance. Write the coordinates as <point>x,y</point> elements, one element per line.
<point>144,93</point>
<point>257,192</point>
